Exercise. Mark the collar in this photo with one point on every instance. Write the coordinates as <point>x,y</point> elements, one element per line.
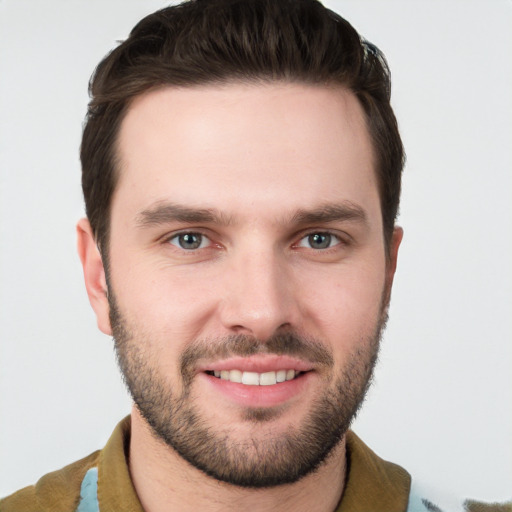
<point>371,483</point>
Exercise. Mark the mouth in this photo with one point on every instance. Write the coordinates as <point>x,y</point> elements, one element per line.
<point>261,380</point>
<point>256,379</point>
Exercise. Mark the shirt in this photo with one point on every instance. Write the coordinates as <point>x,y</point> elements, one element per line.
<point>101,482</point>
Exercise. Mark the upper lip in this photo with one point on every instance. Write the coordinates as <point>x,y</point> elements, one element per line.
<point>259,363</point>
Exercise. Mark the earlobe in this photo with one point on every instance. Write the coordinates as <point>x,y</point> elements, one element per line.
<point>94,274</point>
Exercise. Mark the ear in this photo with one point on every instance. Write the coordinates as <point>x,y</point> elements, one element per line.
<point>94,274</point>
<point>394,245</point>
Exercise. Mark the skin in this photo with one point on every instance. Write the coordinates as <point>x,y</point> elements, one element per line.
<point>256,155</point>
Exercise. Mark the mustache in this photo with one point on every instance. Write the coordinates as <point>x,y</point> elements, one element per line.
<point>289,343</point>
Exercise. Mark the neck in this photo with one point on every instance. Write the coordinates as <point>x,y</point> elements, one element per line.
<point>163,481</point>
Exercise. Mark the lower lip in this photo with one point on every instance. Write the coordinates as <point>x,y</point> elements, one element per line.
<point>259,396</point>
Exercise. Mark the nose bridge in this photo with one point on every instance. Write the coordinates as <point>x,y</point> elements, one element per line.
<point>258,296</point>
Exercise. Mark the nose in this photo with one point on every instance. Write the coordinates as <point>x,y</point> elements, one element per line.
<point>259,297</point>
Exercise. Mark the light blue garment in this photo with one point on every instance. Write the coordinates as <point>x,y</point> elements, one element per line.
<point>89,492</point>
<point>416,504</point>
<point>423,500</point>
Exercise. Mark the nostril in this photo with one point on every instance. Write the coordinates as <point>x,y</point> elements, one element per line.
<point>240,329</point>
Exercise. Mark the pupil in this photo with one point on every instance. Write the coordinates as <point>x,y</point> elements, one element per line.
<point>190,241</point>
<point>320,240</point>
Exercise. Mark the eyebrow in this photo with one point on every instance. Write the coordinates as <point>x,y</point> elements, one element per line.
<point>167,212</point>
<point>344,211</point>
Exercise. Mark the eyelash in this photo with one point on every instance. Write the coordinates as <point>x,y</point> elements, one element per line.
<point>168,240</point>
<point>325,232</point>
<point>340,240</point>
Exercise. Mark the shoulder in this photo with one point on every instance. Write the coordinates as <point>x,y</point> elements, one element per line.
<point>56,491</point>
<point>373,483</point>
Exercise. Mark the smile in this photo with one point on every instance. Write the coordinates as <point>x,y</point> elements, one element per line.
<point>255,378</point>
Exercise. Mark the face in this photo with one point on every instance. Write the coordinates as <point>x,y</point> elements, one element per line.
<point>248,277</point>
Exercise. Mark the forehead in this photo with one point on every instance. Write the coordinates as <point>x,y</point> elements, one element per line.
<point>239,147</point>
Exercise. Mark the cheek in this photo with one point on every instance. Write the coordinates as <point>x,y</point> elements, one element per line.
<point>170,306</point>
<point>347,305</point>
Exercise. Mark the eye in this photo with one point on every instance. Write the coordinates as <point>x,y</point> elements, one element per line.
<point>319,241</point>
<point>189,241</point>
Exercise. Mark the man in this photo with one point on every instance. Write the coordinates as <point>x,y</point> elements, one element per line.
<point>241,171</point>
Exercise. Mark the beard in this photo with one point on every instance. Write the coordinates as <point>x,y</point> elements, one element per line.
<point>265,458</point>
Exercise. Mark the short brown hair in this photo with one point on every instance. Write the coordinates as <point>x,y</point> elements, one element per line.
<point>218,41</point>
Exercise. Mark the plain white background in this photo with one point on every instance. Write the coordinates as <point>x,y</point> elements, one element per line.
<point>441,401</point>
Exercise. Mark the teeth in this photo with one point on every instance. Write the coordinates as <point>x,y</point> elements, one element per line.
<point>251,378</point>
<point>235,376</point>
<point>268,378</point>
<point>256,379</point>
